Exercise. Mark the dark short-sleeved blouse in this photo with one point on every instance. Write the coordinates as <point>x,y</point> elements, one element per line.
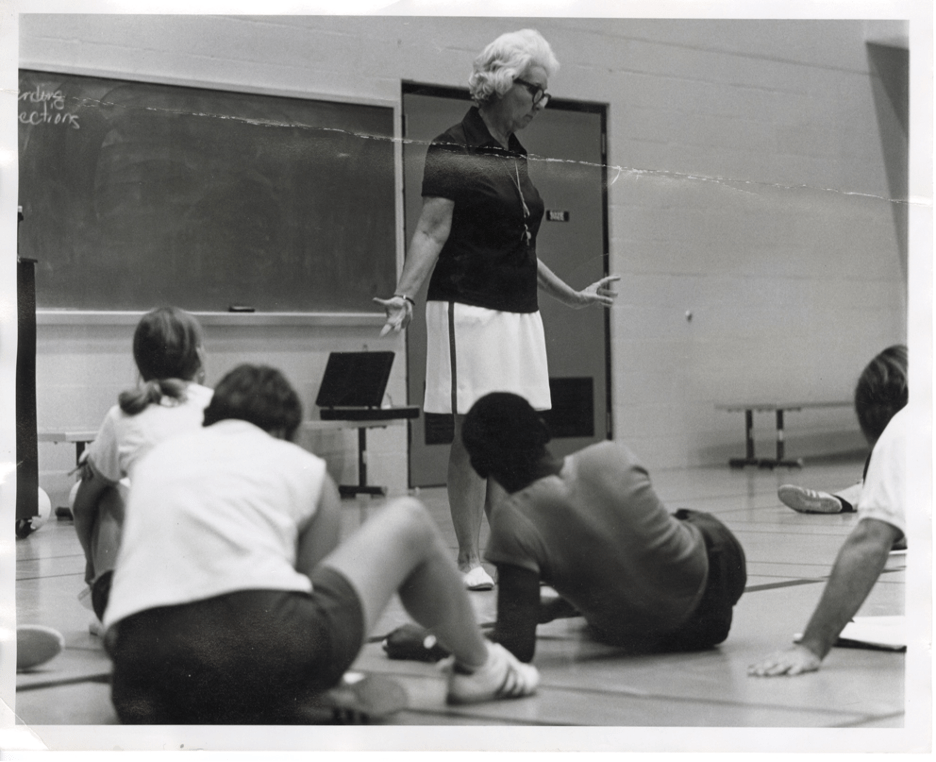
<point>487,260</point>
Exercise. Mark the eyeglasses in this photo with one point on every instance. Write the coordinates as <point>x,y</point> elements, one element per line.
<point>540,96</point>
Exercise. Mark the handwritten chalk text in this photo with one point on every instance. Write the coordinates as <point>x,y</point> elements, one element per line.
<point>49,108</point>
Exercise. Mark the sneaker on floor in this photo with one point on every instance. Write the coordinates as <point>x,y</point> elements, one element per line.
<point>502,677</point>
<point>36,645</point>
<point>808,500</point>
<point>478,579</point>
<point>96,627</point>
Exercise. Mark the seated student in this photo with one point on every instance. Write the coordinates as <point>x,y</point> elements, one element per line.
<point>805,500</point>
<point>233,600</point>
<point>167,348</point>
<point>846,500</point>
<point>591,526</point>
<point>880,403</point>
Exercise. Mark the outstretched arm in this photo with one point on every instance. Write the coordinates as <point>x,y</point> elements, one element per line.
<point>432,231</point>
<point>598,292</point>
<point>857,568</point>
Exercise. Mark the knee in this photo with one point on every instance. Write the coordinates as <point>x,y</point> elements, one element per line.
<point>413,521</point>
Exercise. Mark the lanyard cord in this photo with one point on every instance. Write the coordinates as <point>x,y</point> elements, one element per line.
<point>526,211</point>
<point>526,235</point>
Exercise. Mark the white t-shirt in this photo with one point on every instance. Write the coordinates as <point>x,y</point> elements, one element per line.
<point>123,439</point>
<point>212,511</point>
<point>883,496</point>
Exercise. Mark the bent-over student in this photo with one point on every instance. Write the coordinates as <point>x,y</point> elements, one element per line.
<point>591,526</point>
<point>232,599</point>
<point>880,403</point>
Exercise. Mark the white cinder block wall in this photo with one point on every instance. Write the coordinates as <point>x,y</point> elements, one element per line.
<point>749,188</point>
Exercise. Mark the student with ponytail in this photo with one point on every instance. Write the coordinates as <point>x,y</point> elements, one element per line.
<point>168,351</point>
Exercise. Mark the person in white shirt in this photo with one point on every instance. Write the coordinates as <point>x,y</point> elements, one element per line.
<point>169,354</point>
<point>881,397</point>
<point>233,601</point>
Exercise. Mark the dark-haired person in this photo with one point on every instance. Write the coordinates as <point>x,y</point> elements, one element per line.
<point>169,355</point>
<point>881,397</point>
<point>232,600</point>
<point>591,526</point>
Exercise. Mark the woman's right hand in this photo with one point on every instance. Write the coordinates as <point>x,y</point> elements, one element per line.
<point>399,313</point>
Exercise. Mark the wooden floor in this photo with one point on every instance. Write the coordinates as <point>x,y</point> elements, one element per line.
<point>634,699</point>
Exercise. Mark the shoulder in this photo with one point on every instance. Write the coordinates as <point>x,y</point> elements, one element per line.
<point>899,429</point>
<point>453,139</point>
<point>294,458</point>
<point>607,455</point>
<point>611,465</point>
<point>199,395</point>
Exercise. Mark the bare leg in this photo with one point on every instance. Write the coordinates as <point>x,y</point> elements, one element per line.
<point>105,540</point>
<point>466,493</point>
<point>400,550</point>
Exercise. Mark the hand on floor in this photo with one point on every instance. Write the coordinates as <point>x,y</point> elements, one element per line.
<point>793,661</point>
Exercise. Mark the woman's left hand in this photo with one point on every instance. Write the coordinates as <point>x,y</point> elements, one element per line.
<point>599,292</point>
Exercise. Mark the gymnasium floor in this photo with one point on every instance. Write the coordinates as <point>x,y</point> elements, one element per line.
<point>583,683</point>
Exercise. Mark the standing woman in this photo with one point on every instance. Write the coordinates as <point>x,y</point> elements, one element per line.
<point>478,229</point>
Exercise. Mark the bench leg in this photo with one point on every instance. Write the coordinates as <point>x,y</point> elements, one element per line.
<point>767,463</point>
<point>748,459</point>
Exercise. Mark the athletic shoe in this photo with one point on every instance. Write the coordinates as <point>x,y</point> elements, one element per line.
<point>503,676</point>
<point>478,579</point>
<point>96,627</point>
<point>808,500</point>
<point>36,645</point>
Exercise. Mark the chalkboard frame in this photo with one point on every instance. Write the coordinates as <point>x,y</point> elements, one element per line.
<point>52,316</point>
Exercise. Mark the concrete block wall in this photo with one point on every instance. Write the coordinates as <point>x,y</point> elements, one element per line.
<point>749,187</point>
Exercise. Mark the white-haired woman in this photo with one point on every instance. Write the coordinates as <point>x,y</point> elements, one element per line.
<point>477,235</point>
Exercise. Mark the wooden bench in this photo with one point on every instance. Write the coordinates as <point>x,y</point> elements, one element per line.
<point>779,408</point>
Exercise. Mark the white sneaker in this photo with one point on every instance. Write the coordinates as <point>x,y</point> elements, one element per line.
<point>502,677</point>
<point>478,579</point>
<point>808,500</point>
<point>96,627</point>
<point>36,645</point>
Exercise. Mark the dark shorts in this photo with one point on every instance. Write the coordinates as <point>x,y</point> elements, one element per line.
<point>247,657</point>
<point>710,622</point>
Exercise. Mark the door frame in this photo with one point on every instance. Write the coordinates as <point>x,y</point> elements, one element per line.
<point>410,87</point>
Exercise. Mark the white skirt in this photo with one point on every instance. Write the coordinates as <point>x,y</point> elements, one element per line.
<point>493,352</point>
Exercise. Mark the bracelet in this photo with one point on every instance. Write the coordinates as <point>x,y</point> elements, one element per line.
<point>404,296</point>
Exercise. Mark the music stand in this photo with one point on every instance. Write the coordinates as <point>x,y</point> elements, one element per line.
<point>352,389</point>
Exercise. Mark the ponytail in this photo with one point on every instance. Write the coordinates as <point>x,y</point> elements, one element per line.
<point>167,350</point>
<point>135,401</point>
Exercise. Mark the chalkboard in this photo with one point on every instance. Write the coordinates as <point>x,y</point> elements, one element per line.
<point>138,194</point>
